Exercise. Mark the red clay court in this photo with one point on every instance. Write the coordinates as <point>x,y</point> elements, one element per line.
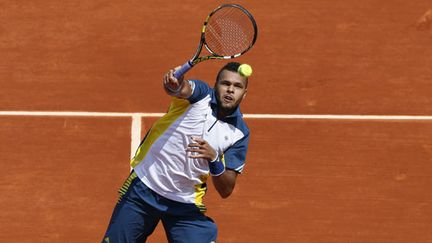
<point>339,108</point>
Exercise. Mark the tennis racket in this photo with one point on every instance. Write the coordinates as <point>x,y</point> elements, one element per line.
<point>229,31</point>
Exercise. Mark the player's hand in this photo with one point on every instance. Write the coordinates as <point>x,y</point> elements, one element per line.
<point>200,148</point>
<point>172,84</point>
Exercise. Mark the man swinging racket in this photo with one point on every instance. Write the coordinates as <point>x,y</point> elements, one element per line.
<point>202,135</point>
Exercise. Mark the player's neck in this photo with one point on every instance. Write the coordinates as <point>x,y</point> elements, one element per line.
<point>222,113</point>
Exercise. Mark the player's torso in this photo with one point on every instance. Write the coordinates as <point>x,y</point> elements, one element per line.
<point>166,167</point>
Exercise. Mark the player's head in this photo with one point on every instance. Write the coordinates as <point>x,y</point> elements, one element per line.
<point>230,87</point>
<point>233,67</point>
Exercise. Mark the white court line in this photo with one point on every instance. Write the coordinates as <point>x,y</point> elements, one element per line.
<point>78,113</point>
<point>135,134</point>
<point>137,118</point>
<point>337,117</point>
<point>250,116</point>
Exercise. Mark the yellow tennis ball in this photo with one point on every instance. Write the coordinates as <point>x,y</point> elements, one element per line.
<point>245,70</point>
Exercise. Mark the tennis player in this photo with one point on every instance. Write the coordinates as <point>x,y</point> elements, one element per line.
<point>203,135</point>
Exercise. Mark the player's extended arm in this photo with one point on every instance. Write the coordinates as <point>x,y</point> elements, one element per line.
<point>176,87</point>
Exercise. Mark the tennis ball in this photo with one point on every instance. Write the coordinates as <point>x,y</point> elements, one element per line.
<point>245,70</point>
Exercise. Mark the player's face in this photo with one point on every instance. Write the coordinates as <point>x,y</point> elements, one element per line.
<point>230,91</point>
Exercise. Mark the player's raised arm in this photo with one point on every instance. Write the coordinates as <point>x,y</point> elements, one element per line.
<point>176,87</point>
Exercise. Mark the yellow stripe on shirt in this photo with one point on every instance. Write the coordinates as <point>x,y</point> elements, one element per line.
<point>177,108</point>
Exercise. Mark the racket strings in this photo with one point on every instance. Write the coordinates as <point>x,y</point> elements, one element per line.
<point>229,32</point>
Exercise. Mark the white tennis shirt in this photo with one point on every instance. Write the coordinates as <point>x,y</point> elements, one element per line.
<point>162,162</point>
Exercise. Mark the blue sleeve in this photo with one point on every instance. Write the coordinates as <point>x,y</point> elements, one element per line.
<point>200,90</point>
<point>235,156</point>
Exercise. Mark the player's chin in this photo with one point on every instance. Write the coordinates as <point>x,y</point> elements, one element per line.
<point>229,106</point>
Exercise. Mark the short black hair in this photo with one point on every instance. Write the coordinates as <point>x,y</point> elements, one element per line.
<point>231,66</point>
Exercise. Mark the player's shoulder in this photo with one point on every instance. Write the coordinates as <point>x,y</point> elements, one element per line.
<point>242,126</point>
<point>200,90</point>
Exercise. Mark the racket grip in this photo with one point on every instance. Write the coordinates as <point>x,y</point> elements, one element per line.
<point>183,69</point>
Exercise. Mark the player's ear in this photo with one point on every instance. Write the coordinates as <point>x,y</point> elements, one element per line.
<point>246,88</point>
<point>244,95</point>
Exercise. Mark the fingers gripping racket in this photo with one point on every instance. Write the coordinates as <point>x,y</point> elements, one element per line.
<point>229,31</point>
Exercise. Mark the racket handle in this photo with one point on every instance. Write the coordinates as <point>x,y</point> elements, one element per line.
<point>183,69</point>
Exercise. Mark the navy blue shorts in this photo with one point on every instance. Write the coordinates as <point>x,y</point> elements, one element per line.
<point>140,209</point>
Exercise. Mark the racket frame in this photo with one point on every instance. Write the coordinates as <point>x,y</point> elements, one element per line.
<point>196,59</point>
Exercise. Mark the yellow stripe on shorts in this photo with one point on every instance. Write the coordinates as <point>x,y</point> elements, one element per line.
<point>122,191</point>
